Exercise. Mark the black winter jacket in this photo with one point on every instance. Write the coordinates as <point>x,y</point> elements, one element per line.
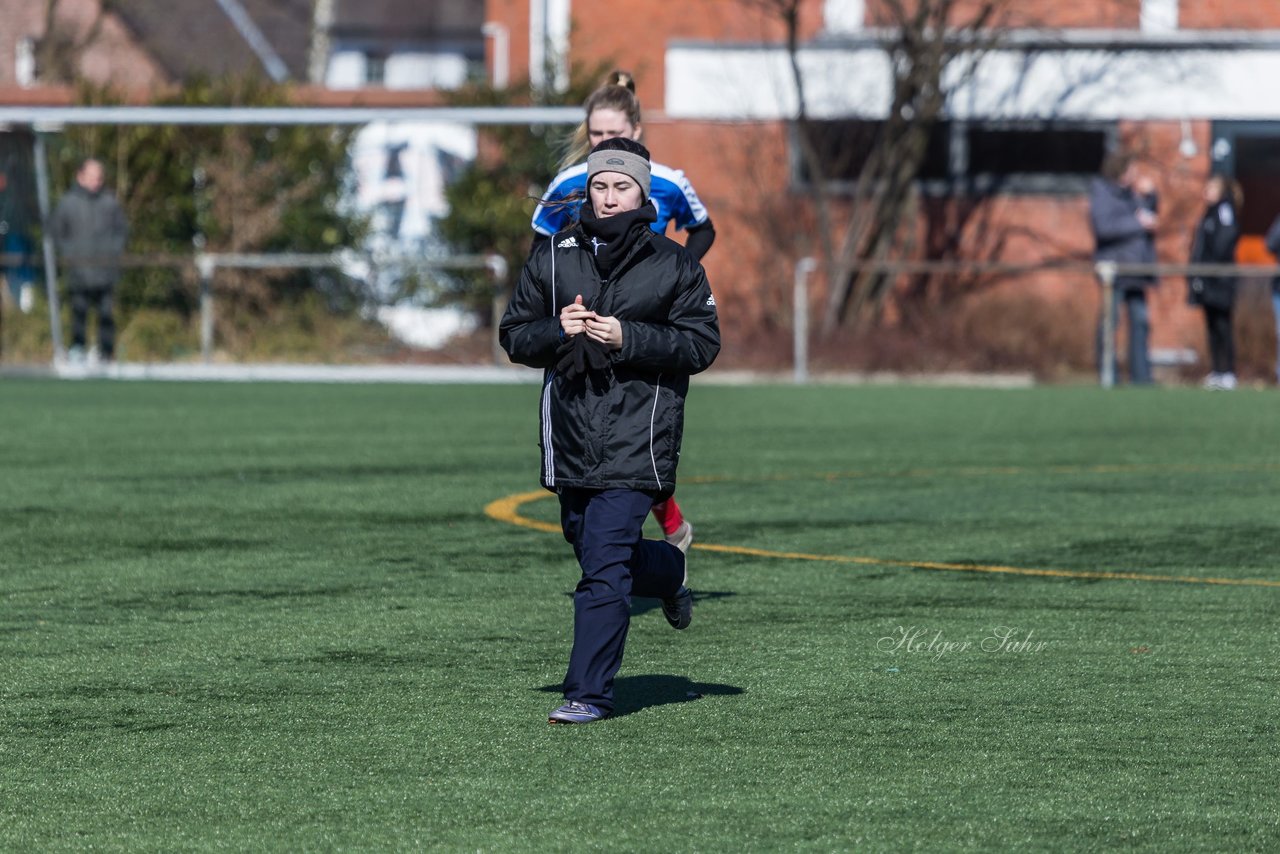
<point>625,432</point>
<point>1215,243</point>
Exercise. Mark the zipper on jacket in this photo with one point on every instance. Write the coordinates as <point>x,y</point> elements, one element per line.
<point>626,259</point>
<point>605,281</point>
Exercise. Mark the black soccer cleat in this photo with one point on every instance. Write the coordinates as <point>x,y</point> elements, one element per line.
<point>679,608</point>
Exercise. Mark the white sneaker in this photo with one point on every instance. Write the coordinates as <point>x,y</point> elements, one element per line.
<point>682,537</point>
<point>1227,382</point>
<point>1213,380</point>
<point>75,356</point>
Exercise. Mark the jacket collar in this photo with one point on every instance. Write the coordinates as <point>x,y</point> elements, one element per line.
<point>583,243</point>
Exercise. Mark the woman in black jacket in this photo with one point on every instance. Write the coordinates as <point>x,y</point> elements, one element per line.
<point>614,110</point>
<point>618,317</point>
<point>1215,243</point>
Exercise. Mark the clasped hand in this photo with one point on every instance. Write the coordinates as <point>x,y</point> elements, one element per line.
<point>577,319</point>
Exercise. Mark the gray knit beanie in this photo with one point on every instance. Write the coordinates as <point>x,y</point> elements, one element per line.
<point>619,154</point>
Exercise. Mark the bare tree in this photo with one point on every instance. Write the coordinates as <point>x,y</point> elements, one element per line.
<point>59,49</point>
<point>927,42</point>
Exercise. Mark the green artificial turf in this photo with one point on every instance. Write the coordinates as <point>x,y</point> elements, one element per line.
<point>276,617</point>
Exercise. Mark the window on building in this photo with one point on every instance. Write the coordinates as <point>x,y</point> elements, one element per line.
<point>844,146</point>
<point>966,157</point>
<point>1032,158</point>
<point>1014,151</point>
<point>375,69</point>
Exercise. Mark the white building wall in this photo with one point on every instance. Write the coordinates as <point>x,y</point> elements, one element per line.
<point>425,71</point>
<point>346,70</point>
<point>844,16</point>
<point>1088,82</point>
<point>1158,16</point>
<point>349,69</point>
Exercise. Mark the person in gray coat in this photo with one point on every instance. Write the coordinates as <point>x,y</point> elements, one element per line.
<point>1122,213</point>
<point>90,230</point>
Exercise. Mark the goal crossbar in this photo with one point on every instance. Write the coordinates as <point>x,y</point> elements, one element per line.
<point>46,117</point>
<point>50,119</point>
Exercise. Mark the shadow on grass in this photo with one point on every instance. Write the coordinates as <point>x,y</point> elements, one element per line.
<point>636,693</point>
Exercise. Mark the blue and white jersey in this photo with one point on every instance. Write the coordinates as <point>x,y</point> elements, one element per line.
<point>669,190</point>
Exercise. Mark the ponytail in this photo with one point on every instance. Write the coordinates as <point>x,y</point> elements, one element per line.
<point>618,92</point>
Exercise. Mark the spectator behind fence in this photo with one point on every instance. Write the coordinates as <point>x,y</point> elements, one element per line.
<point>90,230</point>
<point>1122,214</point>
<point>1273,246</point>
<point>1215,243</point>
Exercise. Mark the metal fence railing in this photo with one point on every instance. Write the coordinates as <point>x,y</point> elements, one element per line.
<point>205,266</point>
<point>1106,273</point>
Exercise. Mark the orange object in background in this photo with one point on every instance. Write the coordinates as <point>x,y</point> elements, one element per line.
<point>1252,250</point>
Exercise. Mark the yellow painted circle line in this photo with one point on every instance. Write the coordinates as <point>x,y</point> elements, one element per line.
<point>508,510</point>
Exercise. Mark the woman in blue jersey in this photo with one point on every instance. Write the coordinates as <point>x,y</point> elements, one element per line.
<point>611,111</point>
<point>614,111</point>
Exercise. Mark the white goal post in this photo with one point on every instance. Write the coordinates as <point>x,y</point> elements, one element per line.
<point>43,120</point>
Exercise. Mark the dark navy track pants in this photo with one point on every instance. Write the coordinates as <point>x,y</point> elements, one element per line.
<point>604,527</point>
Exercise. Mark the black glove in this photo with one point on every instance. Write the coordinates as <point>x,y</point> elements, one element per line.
<point>580,356</point>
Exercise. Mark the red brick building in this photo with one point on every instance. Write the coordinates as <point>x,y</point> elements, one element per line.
<point>1188,87</point>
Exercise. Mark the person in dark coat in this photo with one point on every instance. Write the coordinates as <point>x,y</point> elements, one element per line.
<point>90,230</point>
<point>1273,246</point>
<point>1122,214</point>
<point>618,317</point>
<point>1215,243</point>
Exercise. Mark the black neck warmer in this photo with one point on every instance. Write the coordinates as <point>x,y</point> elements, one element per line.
<point>612,237</point>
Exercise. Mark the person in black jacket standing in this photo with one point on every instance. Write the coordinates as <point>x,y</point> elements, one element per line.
<point>90,230</point>
<point>1122,213</point>
<point>1215,243</point>
<point>619,318</point>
